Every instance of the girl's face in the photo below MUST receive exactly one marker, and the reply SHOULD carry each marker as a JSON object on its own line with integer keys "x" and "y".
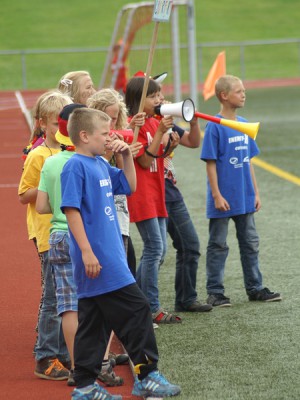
{"x": 86, "y": 89}
{"x": 113, "y": 112}
{"x": 152, "y": 100}
{"x": 50, "y": 126}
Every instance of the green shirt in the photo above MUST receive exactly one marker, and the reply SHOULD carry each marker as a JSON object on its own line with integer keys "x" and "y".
{"x": 50, "y": 183}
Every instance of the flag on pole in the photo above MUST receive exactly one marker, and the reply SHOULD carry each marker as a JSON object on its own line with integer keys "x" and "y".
{"x": 218, "y": 69}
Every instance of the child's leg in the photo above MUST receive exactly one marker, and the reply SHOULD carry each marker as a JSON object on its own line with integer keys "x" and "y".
{"x": 249, "y": 247}
{"x": 147, "y": 273}
{"x": 90, "y": 342}
{"x": 216, "y": 254}
{"x": 69, "y": 326}
{"x": 127, "y": 312}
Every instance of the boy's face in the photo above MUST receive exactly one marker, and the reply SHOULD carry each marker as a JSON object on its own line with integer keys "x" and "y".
{"x": 237, "y": 95}
{"x": 99, "y": 138}
{"x": 152, "y": 101}
{"x": 50, "y": 126}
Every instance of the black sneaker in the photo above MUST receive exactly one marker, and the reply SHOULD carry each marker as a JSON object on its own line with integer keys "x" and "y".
{"x": 119, "y": 359}
{"x": 264, "y": 295}
{"x": 71, "y": 381}
{"x": 194, "y": 307}
{"x": 218, "y": 300}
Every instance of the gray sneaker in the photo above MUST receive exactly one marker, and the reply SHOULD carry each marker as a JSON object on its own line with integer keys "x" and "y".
{"x": 218, "y": 300}
{"x": 108, "y": 377}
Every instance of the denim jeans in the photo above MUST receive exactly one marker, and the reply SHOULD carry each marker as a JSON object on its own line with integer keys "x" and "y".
{"x": 186, "y": 242}
{"x": 153, "y": 234}
{"x": 217, "y": 252}
{"x": 51, "y": 343}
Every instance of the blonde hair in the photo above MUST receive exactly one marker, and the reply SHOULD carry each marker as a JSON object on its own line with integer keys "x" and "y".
{"x": 70, "y": 82}
{"x": 109, "y": 97}
{"x": 84, "y": 119}
{"x": 36, "y": 115}
{"x": 224, "y": 84}
{"x": 52, "y": 104}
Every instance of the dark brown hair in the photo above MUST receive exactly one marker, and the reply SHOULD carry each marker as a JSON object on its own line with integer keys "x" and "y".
{"x": 134, "y": 91}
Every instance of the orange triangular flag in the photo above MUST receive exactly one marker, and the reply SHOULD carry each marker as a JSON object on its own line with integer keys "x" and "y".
{"x": 218, "y": 69}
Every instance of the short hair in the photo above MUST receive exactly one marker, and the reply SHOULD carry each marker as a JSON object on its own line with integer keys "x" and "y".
{"x": 52, "y": 104}
{"x": 84, "y": 119}
{"x": 224, "y": 84}
{"x": 109, "y": 97}
{"x": 69, "y": 83}
{"x": 134, "y": 90}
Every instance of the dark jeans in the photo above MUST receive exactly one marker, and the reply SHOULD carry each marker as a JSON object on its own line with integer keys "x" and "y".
{"x": 125, "y": 311}
{"x": 217, "y": 252}
{"x": 186, "y": 242}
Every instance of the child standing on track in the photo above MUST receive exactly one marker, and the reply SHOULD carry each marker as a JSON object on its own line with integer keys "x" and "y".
{"x": 106, "y": 289}
{"x": 147, "y": 207}
{"x": 50, "y": 345}
{"x": 232, "y": 193}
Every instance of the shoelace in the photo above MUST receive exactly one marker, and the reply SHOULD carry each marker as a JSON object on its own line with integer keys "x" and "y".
{"x": 54, "y": 364}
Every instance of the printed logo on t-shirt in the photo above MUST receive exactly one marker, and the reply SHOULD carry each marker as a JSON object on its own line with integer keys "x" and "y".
{"x": 109, "y": 212}
{"x": 105, "y": 182}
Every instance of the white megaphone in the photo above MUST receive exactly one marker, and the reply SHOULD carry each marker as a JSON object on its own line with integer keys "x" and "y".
{"x": 185, "y": 109}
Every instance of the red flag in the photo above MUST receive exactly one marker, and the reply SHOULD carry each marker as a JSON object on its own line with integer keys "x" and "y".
{"x": 218, "y": 69}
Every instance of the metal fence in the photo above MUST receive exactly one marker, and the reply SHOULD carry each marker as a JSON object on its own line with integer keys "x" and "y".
{"x": 260, "y": 59}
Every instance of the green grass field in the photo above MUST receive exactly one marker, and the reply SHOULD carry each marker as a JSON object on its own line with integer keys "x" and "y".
{"x": 58, "y": 25}
{"x": 250, "y": 351}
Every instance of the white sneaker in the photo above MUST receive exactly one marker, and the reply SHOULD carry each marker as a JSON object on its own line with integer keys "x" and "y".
{"x": 155, "y": 326}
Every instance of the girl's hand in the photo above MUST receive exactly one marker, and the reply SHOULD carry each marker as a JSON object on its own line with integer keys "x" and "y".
{"x": 137, "y": 120}
{"x": 135, "y": 148}
{"x": 166, "y": 123}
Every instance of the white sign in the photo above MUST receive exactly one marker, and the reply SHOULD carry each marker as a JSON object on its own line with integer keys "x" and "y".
{"x": 162, "y": 10}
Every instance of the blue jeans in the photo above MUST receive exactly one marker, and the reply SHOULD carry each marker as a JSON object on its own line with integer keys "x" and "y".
{"x": 217, "y": 252}
{"x": 153, "y": 234}
{"x": 186, "y": 242}
{"x": 50, "y": 342}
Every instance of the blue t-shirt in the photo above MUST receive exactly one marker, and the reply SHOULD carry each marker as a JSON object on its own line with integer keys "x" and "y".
{"x": 89, "y": 185}
{"x": 232, "y": 151}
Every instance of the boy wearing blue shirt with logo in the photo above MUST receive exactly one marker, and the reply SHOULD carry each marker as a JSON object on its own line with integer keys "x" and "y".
{"x": 107, "y": 292}
{"x": 232, "y": 193}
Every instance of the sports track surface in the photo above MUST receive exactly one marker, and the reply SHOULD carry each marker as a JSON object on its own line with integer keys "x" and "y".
{"x": 20, "y": 269}
{"x": 20, "y": 273}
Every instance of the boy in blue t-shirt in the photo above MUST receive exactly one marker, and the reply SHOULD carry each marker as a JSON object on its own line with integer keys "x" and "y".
{"x": 107, "y": 292}
{"x": 232, "y": 192}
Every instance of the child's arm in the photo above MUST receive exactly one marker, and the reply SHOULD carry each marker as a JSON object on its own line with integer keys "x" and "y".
{"x": 257, "y": 198}
{"x": 42, "y": 204}
{"x": 91, "y": 263}
{"x": 221, "y": 204}
{"x": 120, "y": 147}
{"x": 192, "y": 138}
{"x": 29, "y": 196}
{"x": 145, "y": 160}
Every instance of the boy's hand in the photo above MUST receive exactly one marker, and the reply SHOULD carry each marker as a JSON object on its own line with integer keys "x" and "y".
{"x": 91, "y": 263}
{"x": 221, "y": 204}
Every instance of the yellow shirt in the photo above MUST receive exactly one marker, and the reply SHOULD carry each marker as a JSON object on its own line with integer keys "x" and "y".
{"x": 38, "y": 225}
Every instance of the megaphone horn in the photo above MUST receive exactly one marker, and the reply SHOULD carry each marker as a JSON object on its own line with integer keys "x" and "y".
{"x": 185, "y": 109}
{"x": 250, "y": 129}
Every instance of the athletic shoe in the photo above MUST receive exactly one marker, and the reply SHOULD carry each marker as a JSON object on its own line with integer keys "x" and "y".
{"x": 155, "y": 385}
{"x": 96, "y": 392}
{"x": 118, "y": 358}
{"x": 218, "y": 300}
{"x": 155, "y": 326}
{"x": 71, "y": 381}
{"x": 264, "y": 295}
{"x": 108, "y": 377}
{"x": 194, "y": 307}
{"x": 51, "y": 369}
